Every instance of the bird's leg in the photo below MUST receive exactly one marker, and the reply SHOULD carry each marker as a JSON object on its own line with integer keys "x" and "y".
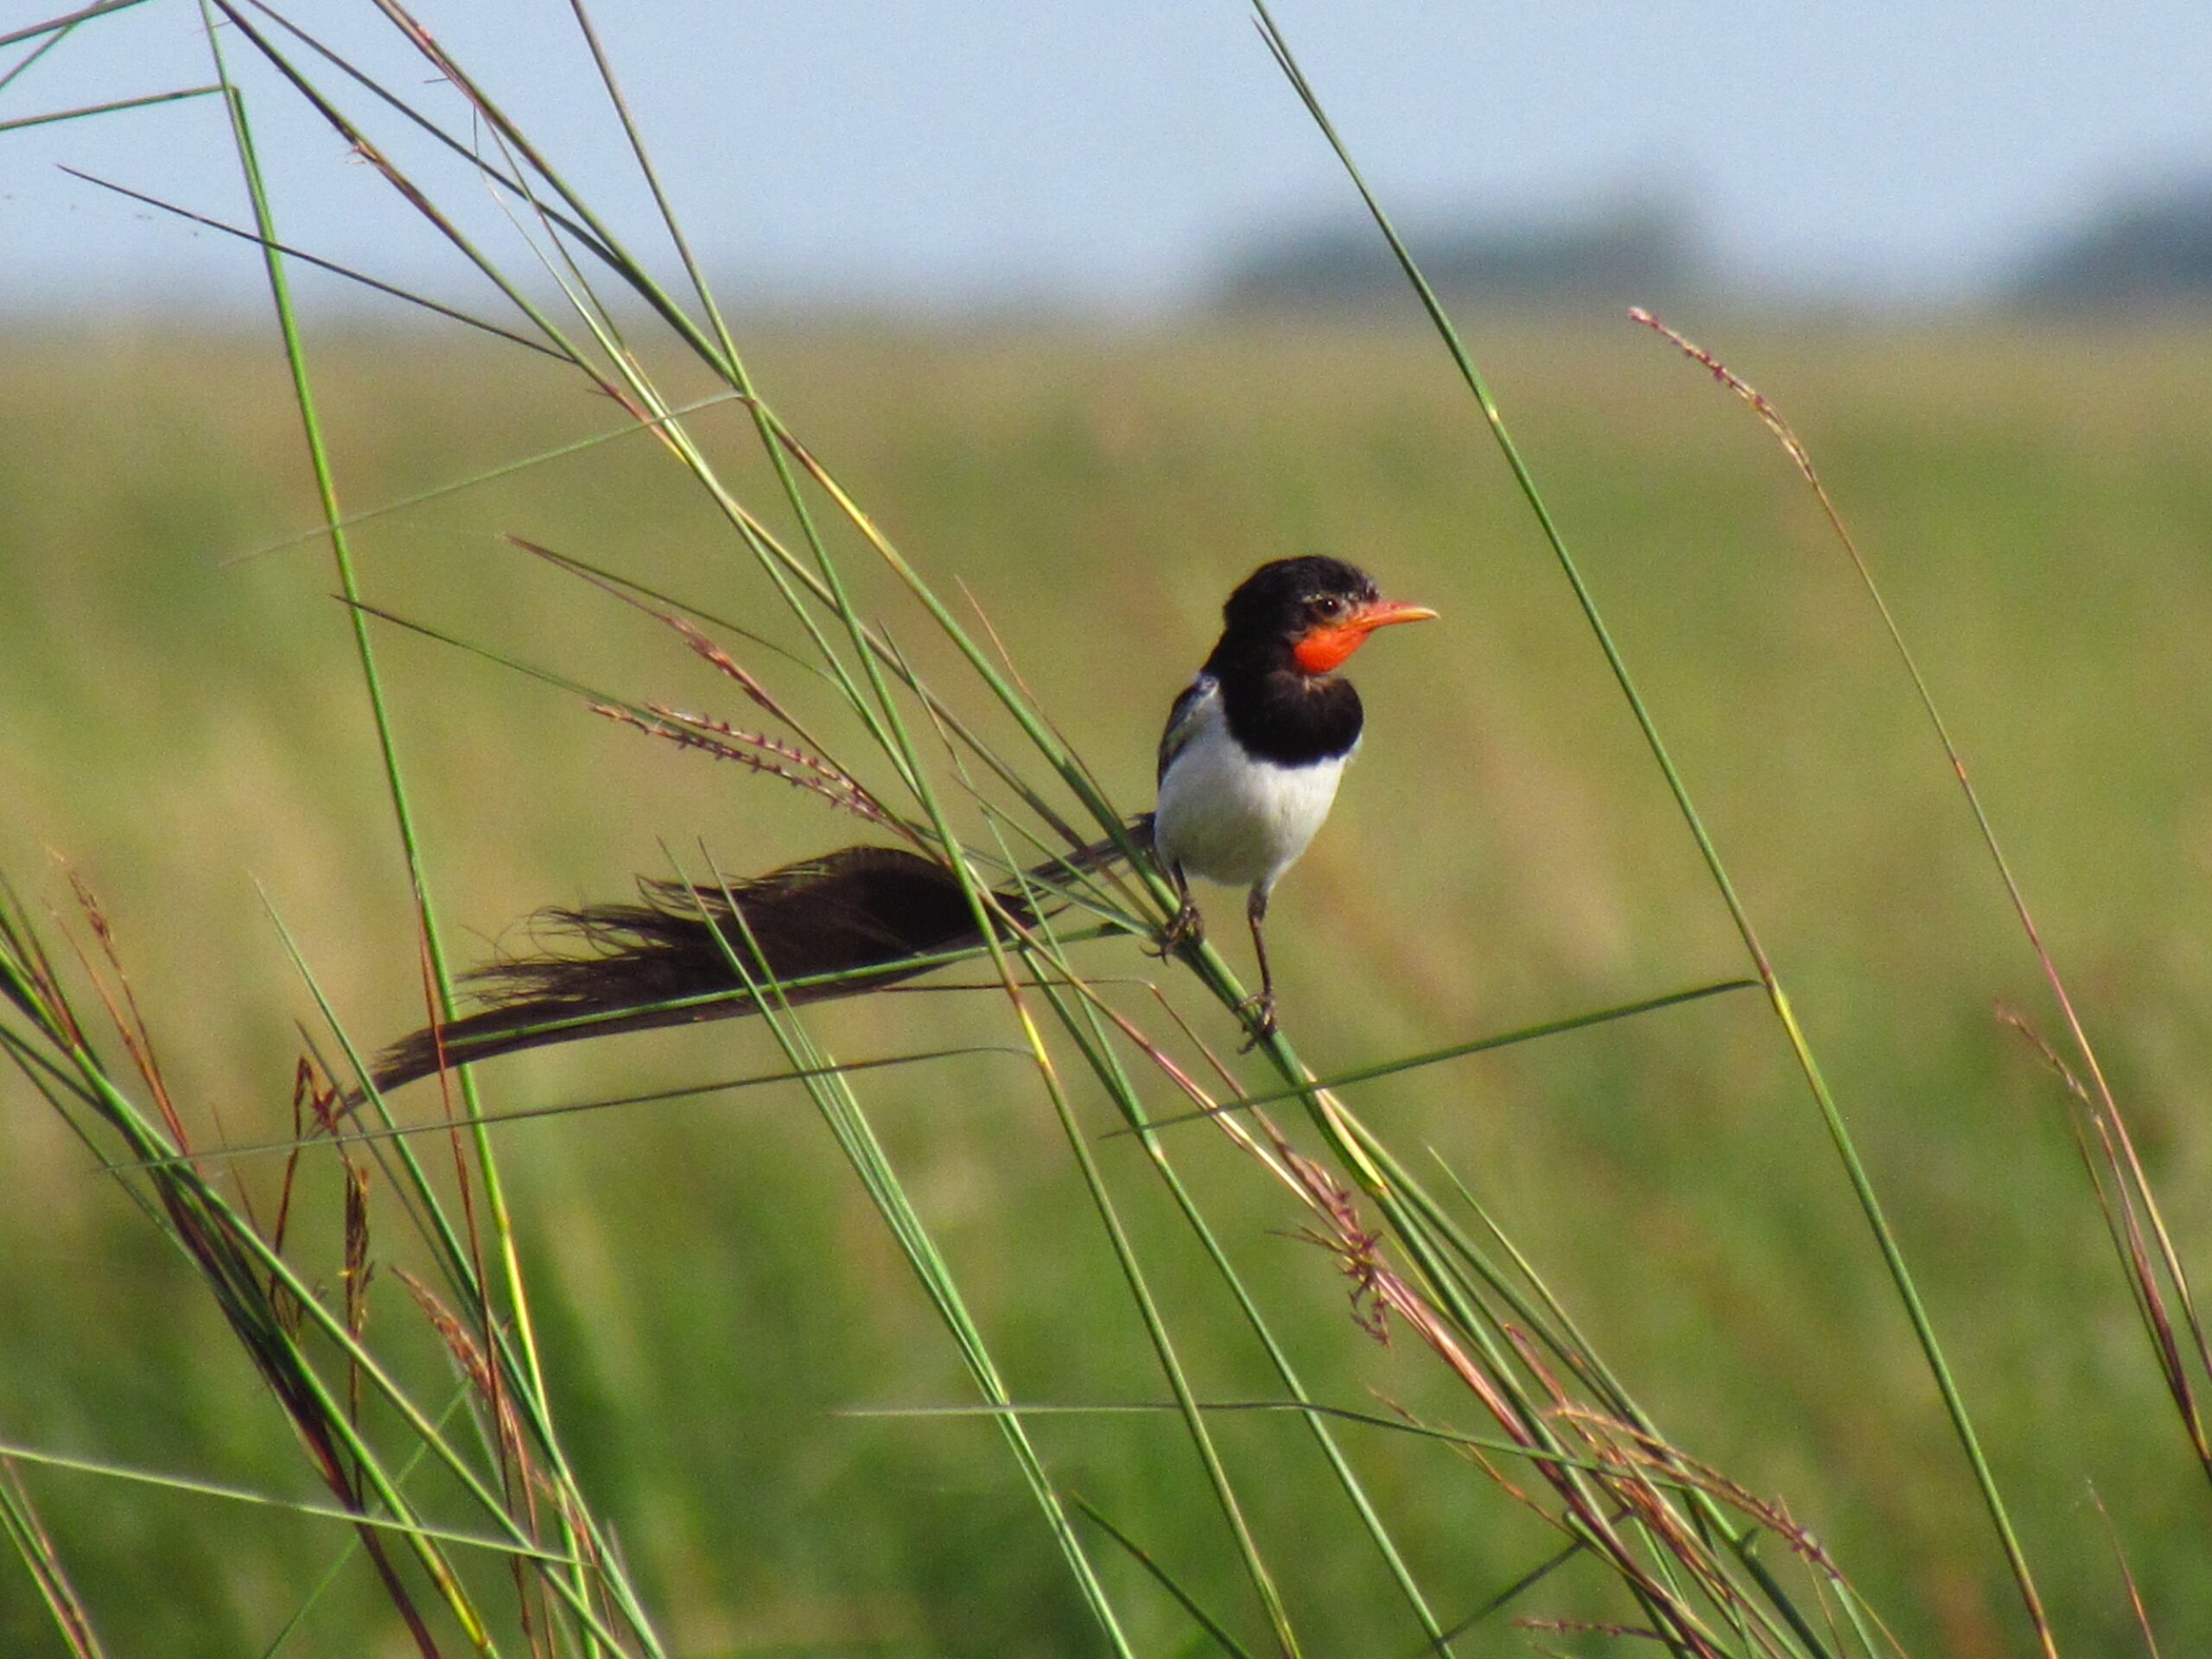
{"x": 1184, "y": 927}
{"x": 1262, "y": 1007}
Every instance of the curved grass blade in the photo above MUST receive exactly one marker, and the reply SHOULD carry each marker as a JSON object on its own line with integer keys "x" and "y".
{"x": 642, "y": 423}
{"x": 2134, "y": 1181}
{"x": 1831, "y": 1114}
{"x": 570, "y": 1108}
{"x": 848, "y": 1125}
{"x": 1043, "y": 941}
{"x": 1290, "y": 1407}
{"x": 468, "y": 154}
{"x": 1457, "y": 1050}
{"x": 363, "y": 279}
{"x": 200, "y": 1488}
{"x": 19, "y": 1519}
{"x": 528, "y": 1378}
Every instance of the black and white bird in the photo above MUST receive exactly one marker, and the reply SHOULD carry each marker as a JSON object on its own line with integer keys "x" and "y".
{"x": 1255, "y": 746}
{"x": 1248, "y": 767}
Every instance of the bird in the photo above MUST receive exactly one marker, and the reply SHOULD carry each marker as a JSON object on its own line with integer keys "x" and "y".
{"x": 1248, "y": 768}
{"x": 1255, "y": 746}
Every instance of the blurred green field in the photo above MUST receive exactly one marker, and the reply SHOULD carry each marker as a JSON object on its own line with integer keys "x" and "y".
{"x": 191, "y": 737}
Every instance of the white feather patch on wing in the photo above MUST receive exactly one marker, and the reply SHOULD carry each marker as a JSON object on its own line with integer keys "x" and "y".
{"x": 1230, "y": 819}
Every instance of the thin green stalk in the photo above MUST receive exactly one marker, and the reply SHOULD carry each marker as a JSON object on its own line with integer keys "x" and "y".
{"x": 668, "y": 217}
{"x": 397, "y": 1523}
{"x": 517, "y": 1296}
{"x": 1796, "y": 448}
{"x": 37, "y": 52}
{"x": 20, "y": 1521}
{"x": 492, "y": 474}
{"x": 1491, "y": 1443}
{"x": 257, "y": 1264}
{"x": 1107, "y": 1065}
{"x": 423, "y": 300}
{"x": 987, "y": 913}
{"x": 570, "y": 1108}
{"x": 103, "y": 109}
{"x": 67, "y": 20}
{"x": 1527, "y": 1581}
{"x": 1457, "y": 1050}
{"x": 1800, "y": 1049}
{"x": 841, "y": 1111}
{"x": 1091, "y": 1042}
{"x": 1166, "y": 1580}
{"x": 342, "y": 547}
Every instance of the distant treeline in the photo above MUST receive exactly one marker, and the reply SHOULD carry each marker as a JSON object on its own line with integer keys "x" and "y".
{"x": 2152, "y": 248}
{"x": 1628, "y": 253}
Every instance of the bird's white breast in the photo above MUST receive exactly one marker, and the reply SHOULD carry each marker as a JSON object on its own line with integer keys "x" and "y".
{"x": 1233, "y": 819}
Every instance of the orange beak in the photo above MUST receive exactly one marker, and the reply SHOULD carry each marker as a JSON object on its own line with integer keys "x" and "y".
{"x": 1323, "y": 649}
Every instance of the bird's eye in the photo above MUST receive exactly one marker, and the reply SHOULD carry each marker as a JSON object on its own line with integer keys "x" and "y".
{"x": 1329, "y": 605}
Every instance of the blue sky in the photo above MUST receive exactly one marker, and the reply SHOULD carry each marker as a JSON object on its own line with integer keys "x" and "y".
{"x": 1108, "y": 157}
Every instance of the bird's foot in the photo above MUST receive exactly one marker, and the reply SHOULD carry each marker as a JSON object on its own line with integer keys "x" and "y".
{"x": 1185, "y": 929}
{"x": 1260, "y": 1011}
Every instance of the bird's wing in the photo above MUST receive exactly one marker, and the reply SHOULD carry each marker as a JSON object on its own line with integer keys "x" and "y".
{"x": 1184, "y": 718}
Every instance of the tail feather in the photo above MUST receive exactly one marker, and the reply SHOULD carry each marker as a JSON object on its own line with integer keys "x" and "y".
{"x": 844, "y": 914}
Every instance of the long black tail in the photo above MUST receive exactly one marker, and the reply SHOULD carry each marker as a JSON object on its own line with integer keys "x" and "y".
{"x": 829, "y": 920}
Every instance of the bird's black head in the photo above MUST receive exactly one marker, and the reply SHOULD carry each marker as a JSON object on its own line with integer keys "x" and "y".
{"x": 1312, "y": 612}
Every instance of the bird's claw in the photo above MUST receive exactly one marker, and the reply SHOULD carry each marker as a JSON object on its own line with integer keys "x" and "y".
{"x": 1185, "y": 929}
{"x": 1261, "y": 1012}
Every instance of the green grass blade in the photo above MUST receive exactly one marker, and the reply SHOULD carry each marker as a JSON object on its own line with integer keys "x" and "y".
{"x": 668, "y": 216}
{"x": 2130, "y": 1166}
{"x": 575, "y": 1589}
{"x": 37, "y": 52}
{"x": 1164, "y": 1352}
{"x": 848, "y": 1125}
{"x": 470, "y": 154}
{"x": 67, "y": 21}
{"x": 264, "y": 1500}
{"x": 1832, "y": 1116}
{"x": 1506, "y": 1598}
{"x": 1487, "y": 1442}
{"x": 1458, "y": 1051}
{"x": 490, "y": 475}
{"x": 1105, "y": 1065}
{"x": 361, "y": 278}
{"x": 50, "y": 116}
{"x": 19, "y": 1519}
{"x": 1165, "y": 1580}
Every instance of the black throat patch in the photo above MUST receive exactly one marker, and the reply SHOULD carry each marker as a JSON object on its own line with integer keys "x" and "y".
{"x": 1290, "y": 718}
